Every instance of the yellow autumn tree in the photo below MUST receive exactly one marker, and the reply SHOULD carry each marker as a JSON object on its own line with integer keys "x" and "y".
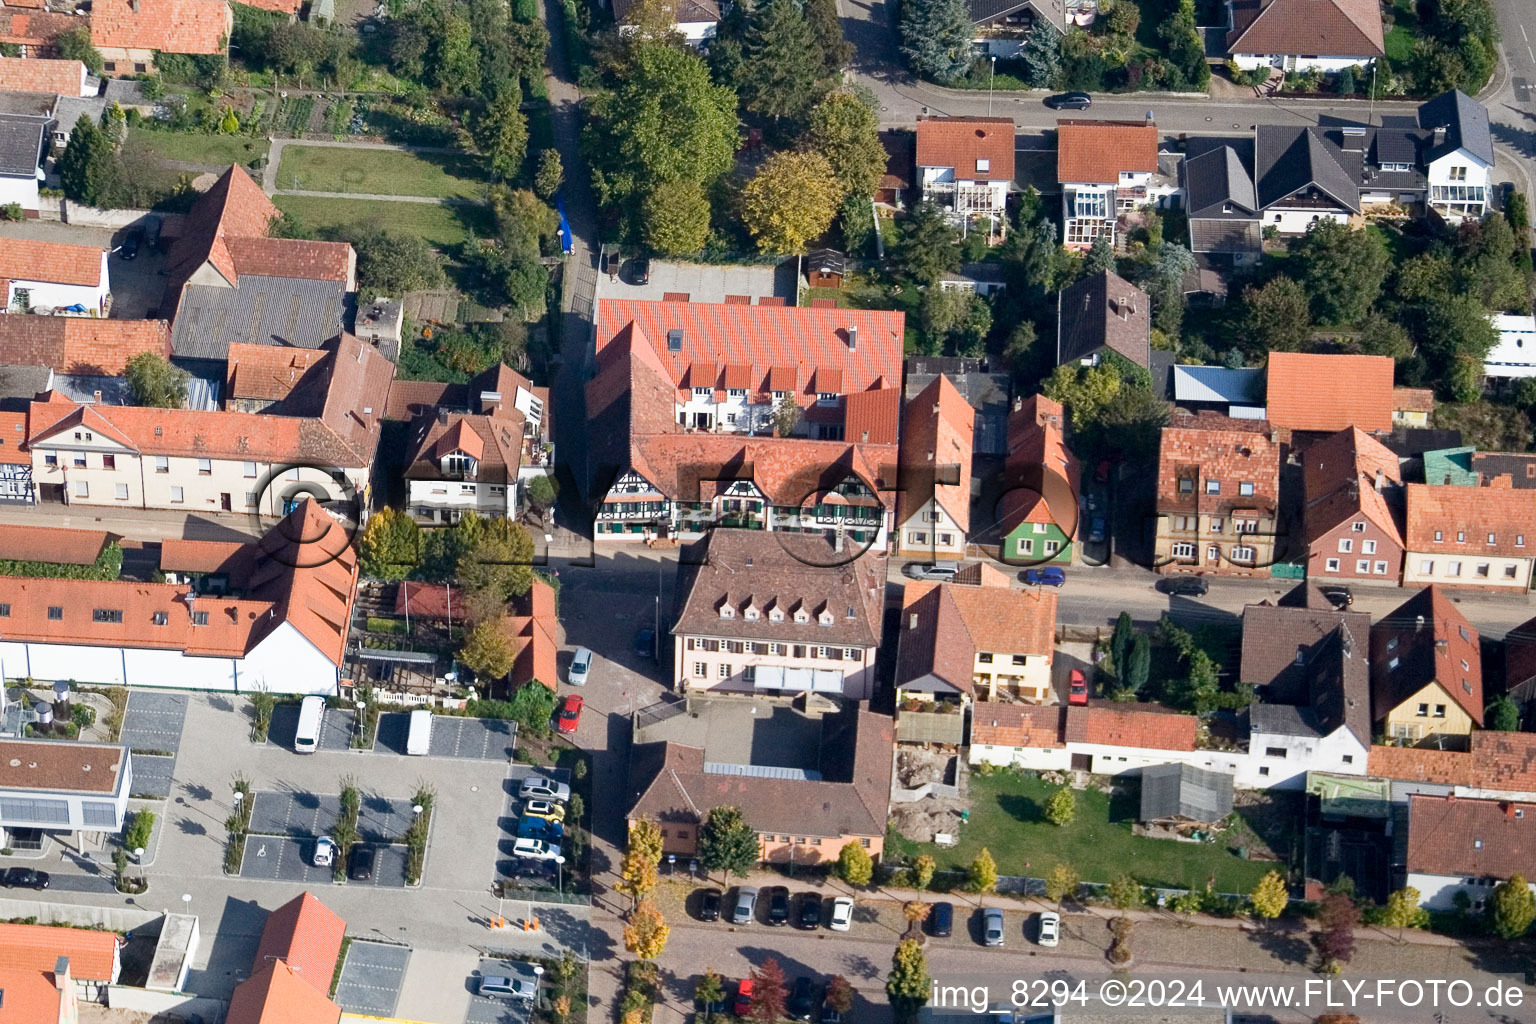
{"x": 645, "y": 935}
{"x": 791, "y": 200}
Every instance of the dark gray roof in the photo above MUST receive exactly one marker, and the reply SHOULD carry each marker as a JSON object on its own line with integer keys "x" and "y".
{"x": 1465, "y": 122}
{"x": 1053, "y": 12}
{"x": 1293, "y": 161}
{"x": 825, "y": 261}
{"x": 1355, "y": 149}
{"x": 988, "y": 393}
{"x": 1396, "y": 146}
{"x": 1183, "y": 791}
{"x": 262, "y": 311}
{"x": 21, "y": 144}
{"x": 1215, "y": 180}
{"x": 687, "y": 11}
{"x": 1087, "y": 322}
{"x": 1306, "y": 654}
{"x": 1284, "y": 720}
{"x": 19, "y": 385}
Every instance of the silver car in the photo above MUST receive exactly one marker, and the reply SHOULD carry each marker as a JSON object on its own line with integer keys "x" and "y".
{"x": 537, "y": 787}
{"x": 746, "y": 905}
{"x": 494, "y": 985}
{"x": 992, "y": 927}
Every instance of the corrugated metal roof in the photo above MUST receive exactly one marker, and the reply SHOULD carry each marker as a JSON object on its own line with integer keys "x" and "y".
{"x": 1217, "y": 384}
{"x": 262, "y": 311}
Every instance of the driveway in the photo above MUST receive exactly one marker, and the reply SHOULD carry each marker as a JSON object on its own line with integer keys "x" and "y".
{"x": 699, "y": 282}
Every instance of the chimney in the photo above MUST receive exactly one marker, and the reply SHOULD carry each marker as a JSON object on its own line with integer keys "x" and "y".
{"x": 135, "y": 5}
{"x": 912, "y": 621}
{"x": 1439, "y": 135}
{"x": 1121, "y": 307}
{"x": 96, "y": 396}
{"x": 853, "y": 338}
{"x": 490, "y": 403}
{"x": 1379, "y": 476}
{"x": 61, "y": 974}
{"x": 1418, "y": 623}
{"x": 442, "y": 415}
{"x": 1018, "y": 403}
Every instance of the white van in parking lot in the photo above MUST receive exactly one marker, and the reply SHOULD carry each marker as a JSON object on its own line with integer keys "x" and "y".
{"x": 306, "y": 739}
{"x": 418, "y": 741}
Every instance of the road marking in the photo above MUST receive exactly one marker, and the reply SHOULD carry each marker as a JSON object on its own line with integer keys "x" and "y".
{"x": 1533, "y": 55}
{"x": 1523, "y": 35}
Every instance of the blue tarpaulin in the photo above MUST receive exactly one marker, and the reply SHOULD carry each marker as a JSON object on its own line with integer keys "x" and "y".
{"x": 565, "y": 227}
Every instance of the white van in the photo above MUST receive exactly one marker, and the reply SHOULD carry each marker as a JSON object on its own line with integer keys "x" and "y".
{"x": 418, "y": 741}
{"x": 311, "y": 714}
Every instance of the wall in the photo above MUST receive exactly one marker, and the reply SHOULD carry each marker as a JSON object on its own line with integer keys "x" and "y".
{"x": 1203, "y": 537}
{"x": 781, "y": 849}
{"x": 1296, "y": 222}
{"x": 19, "y": 190}
{"x": 1440, "y": 565}
{"x": 117, "y": 919}
{"x": 1326, "y": 547}
{"x": 858, "y": 674}
{"x": 438, "y": 499}
{"x": 1250, "y": 61}
{"x": 920, "y": 535}
{"x": 1438, "y": 892}
{"x": 1031, "y": 681}
{"x": 49, "y": 293}
{"x": 1456, "y": 723}
{"x": 95, "y": 217}
{"x": 1037, "y": 534}
{"x": 1302, "y": 754}
{"x": 1042, "y": 759}
{"x": 121, "y": 997}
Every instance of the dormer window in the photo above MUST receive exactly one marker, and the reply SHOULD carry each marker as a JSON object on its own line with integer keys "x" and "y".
{"x": 751, "y": 614}
{"x": 1186, "y": 485}
{"x": 825, "y": 618}
{"x": 983, "y": 165}
{"x": 826, "y": 398}
{"x": 727, "y": 612}
{"x": 703, "y": 393}
{"x": 737, "y": 392}
{"x": 776, "y": 615}
{"x": 779, "y": 396}
{"x": 802, "y": 616}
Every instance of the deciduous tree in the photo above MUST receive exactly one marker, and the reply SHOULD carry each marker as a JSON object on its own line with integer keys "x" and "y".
{"x": 153, "y": 380}
{"x": 1124, "y": 892}
{"x": 709, "y": 992}
{"x": 487, "y": 650}
{"x": 854, "y": 864}
{"x": 791, "y": 200}
{"x": 768, "y": 992}
{"x": 907, "y": 985}
{"x": 1342, "y": 270}
{"x": 390, "y": 545}
{"x": 550, "y": 173}
{"x": 1270, "y": 896}
{"x": 981, "y": 877}
{"x": 390, "y": 263}
{"x": 497, "y": 568}
{"x": 637, "y": 872}
{"x": 1334, "y": 941}
{"x": 675, "y": 218}
{"x": 646, "y": 931}
{"x": 839, "y": 994}
{"x": 1061, "y": 809}
{"x": 922, "y": 871}
{"x": 1512, "y": 908}
{"x": 1061, "y": 883}
{"x": 1402, "y": 910}
{"x": 1277, "y": 317}
{"x": 846, "y": 131}
{"x": 727, "y": 843}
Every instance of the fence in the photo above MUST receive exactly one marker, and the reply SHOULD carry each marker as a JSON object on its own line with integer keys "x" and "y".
{"x": 1021, "y": 885}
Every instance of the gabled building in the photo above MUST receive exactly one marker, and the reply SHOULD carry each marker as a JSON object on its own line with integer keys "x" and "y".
{"x": 1513, "y": 356}
{"x": 696, "y": 20}
{"x": 962, "y": 643}
{"x": 84, "y": 346}
{"x": 1520, "y": 663}
{"x": 1470, "y": 536}
{"x": 62, "y": 77}
{"x": 1002, "y": 25}
{"x": 306, "y": 935}
{"x": 1103, "y": 738}
{"x": 1458, "y": 846}
{"x": 1218, "y": 486}
{"x": 1315, "y": 392}
{"x": 34, "y": 31}
{"x": 1037, "y": 514}
{"x": 1220, "y": 199}
{"x": 535, "y": 637}
{"x": 965, "y": 164}
{"x": 933, "y": 505}
{"x": 1354, "y": 496}
{"x": 1426, "y": 673}
{"x": 1105, "y": 168}
{"x": 95, "y": 956}
{"x": 1300, "y": 180}
{"x": 478, "y": 457}
{"x": 280, "y": 624}
{"x": 1309, "y": 665}
{"x": 1411, "y": 407}
{"x": 129, "y": 33}
{"x": 982, "y": 385}
{"x": 1459, "y": 159}
{"x": 23, "y": 143}
{"x": 1099, "y": 314}
{"x": 1296, "y": 35}
{"x": 229, "y": 282}
{"x": 762, "y": 615}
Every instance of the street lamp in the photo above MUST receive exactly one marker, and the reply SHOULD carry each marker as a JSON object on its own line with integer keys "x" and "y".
{"x": 559, "y": 878}
{"x": 138, "y": 855}
{"x": 990, "y": 77}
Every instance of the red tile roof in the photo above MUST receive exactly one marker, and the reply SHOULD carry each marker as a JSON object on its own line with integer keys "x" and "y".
{"x": 535, "y": 637}
{"x": 1421, "y": 764}
{"x": 429, "y": 600}
{"x": 13, "y": 436}
{"x": 267, "y": 372}
{"x": 999, "y": 724}
{"x": 292, "y": 257}
{"x": 31, "y": 997}
{"x": 939, "y": 428}
{"x": 37, "y": 947}
{"x": 943, "y": 626}
{"x": 1413, "y": 399}
{"x": 1095, "y": 152}
{"x": 1035, "y": 442}
{"x": 1147, "y": 727}
{"x": 873, "y": 417}
{"x": 48, "y": 544}
{"x": 1465, "y": 516}
{"x": 1314, "y": 391}
{"x": 34, "y": 28}
{"x": 235, "y": 207}
{"x": 203, "y": 556}
{"x": 174, "y": 26}
{"x": 278, "y": 994}
{"x": 81, "y": 345}
{"x": 31, "y": 74}
{"x": 1430, "y": 641}
{"x": 1340, "y": 475}
{"x": 1504, "y": 761}
{"x": 27, "y": 259}
{"x": 959, "y": 142}
{"x": 277, "y": 6}
{"x": 1450, "y": 835}
{"x": 307, "y": 935}
{"x": 1212, "y": 447}
{"x": 800, "y": 339}
{"x": 1346, "y": 28}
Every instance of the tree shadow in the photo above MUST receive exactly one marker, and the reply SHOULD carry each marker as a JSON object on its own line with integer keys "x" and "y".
{"x": 196, "y": 791}
{"x": 1285, "y": 940}
{"x": 1021, "y": 808}
{"x": 191, "y": 828}
{"x": 220, "y": 703}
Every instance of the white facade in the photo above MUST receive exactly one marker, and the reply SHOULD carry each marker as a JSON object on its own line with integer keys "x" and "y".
{"x": 931, "y": 532}
{"x": 706, "y": 663}
{"x": 1459, "y": 184}
{"x": 1515, "y": 353}
{"x": 1438, "y": 892}
{"x": 283, "y": 662}
{"x": 447, "y": 500}
{"x": 22, "y": 295}
{"x": 1468, "y": 570}
{"x": 1294, "y": 62}
{"x": 1296, "y": 222}
{"x": 1103, "y": 759}
{"x": 1279, "y": 761}
{"x": 22, "y": 191}
{"x": 965, "y": 195}
{"x": 694, "y": 33}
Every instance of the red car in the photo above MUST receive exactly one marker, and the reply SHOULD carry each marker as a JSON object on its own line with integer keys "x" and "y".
{"x": 568, "y": 719}
{"x": 1077, "y": 689}
{"x": 743, "y": 1003}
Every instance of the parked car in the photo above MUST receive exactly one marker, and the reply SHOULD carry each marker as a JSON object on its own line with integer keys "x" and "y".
{"x": 842, "y": 914}
{"x": 538, "y": 849}
{"x": 130, "y": 248}
{"x": 709, "y": 905}
{"x": 540, "y": 828}
{"x": 801, "y": 1003}
{"x": 495, "y": 986}
{"x": 941, "y": 920}
{"x": 1069, "y": 101}
{"x": 810, "y": 911}
{"x": 641, "y": 270}
{"x": 778, "y": 906}
{"x": 1184, "y": 586}
{"x": 538, "y": 787}
{"x": 743, "y": 1004}
{"x": 1338, "y": 595}
{"x": 1077, "y": 688}
{"x": 1098, "y": 530}
{"x": 568, "y": 718}
{"x": 544, "y": 809}
{"x": 325, "y": 852}
{"x": 24, "y": 878}
{"x": 581, "y": 667}
{"x": 360, "y": 865}
{"x": 1050, "y": 928}
{"x": 830, "y": 1015}
{"x": 1047, "y": 577}
{"x": 715, "y": 1007}
{"x": 746, "y": 905}
{"x": 992, "y": 927}
{"x": 941, "y": 572}
{"x": 645, "y": 642}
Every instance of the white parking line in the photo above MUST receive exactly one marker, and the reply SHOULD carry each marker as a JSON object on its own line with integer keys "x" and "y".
{"x": 1523, "y": 35}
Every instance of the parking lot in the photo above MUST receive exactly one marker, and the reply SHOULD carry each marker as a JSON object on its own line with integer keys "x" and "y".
{"x": 294, "y": 814}
{"x": 499, "y": 1009}
{"x": 371, "y": 977}
{"x": 486, "y": 739}
{"x": 525, "y": 872}
{"x": 282, "y": 859}
{"x": 336, "y": 727}
{"x": 153, "y": 723}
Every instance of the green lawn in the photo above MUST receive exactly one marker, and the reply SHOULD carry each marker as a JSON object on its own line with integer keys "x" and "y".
{"x": 442, "y": 224}
{"x": 214, "y": 150}
{"x": 381, "y": 172}
{"x": 1008, "y": 818}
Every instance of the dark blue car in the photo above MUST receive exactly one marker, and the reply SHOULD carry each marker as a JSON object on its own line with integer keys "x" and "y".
{"x": 1048, "y": 577}
{"x": 540, "y": 828}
